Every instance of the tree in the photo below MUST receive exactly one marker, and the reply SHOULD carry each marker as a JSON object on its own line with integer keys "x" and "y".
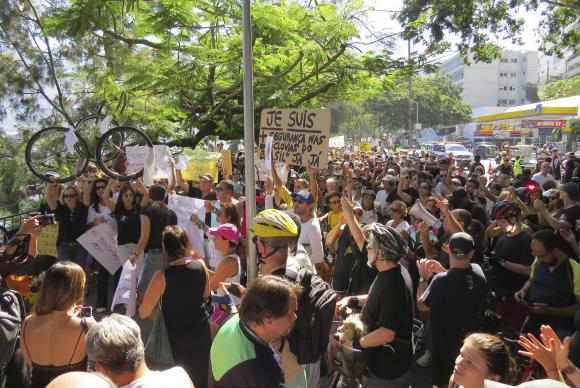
{"x": 438, "y": 99}
{"x": 170, "y": 67}
{"x": 561, "y": 88}
{"x": 474, "y": 22}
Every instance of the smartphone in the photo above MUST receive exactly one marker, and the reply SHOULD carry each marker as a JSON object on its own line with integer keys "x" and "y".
{"x": 86, "y": 312}
{"x": 46, "y": 219}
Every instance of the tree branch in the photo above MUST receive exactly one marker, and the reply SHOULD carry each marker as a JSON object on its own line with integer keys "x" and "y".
{"x": 563, "y": 5}
{"x": 51, "y": 66}
{"x": 313, "y": 73}
{"x": 134, "y": 41}
{"x": 322, "y": 89}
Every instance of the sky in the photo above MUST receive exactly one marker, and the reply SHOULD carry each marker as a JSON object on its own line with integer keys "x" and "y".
{"x": 381, "y": 20}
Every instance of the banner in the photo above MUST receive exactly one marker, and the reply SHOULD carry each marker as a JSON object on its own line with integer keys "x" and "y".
{"x": 300, "y": 136}
{"x": 365, "y": 147}
{"x": 101, "y": 242}
{"x": 47, "y": 240}
{"x": 200, "y": 163}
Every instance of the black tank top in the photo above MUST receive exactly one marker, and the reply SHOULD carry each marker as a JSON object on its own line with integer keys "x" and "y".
{"x": 183, "y": 302}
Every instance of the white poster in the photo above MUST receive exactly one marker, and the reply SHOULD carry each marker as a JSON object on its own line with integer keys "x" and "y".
{"x": 126, "y": 292}
{"x": 336, "y": 142}
{"x": 155, "y": 162}
{"x": 269, "y": 142}
{"x": 184, "y": 207}
{"x": 262, "y": 171}
{"x": 101, "y": 242}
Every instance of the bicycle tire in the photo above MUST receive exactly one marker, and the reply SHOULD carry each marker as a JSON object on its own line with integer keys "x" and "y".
{"x": 123, "y": 134}
{"x": 65, "y": 174}
{"x": 87, "y": 127}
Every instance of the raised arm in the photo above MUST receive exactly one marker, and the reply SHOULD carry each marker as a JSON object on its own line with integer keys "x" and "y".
{"x": 353, "y": 225}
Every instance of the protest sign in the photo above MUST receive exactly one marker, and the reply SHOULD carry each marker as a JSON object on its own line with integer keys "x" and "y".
{"x": 126, "y": 291}
{"x": 47, "y": 240}
{"x": 200, "y": 163}
{"x": 269, "y": 143}
{"x": 364, "y": 147}
{"x": 300, "y": 136}
{"x": 262, "y": 173}
{"x": 101, "y": 242}
{"x": 336, "y": 142}
{"x": 227, "y": 167}
{"x": 184, "y": 207}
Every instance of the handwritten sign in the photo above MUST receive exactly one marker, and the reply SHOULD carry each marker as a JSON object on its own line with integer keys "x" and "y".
{"x": 47, "y": 240}
{"x": 101, "y": 242}
{"x": 300, "y": 136}
{"x": 227, "y": 166}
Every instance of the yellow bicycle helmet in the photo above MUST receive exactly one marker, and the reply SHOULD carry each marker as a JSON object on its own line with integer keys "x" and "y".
{"x": 274, "y": 223}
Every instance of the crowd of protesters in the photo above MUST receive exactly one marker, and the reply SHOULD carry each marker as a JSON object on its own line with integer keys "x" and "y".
{"x": 455, "y": 266}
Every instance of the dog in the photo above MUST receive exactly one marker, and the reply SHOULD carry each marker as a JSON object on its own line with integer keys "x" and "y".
{"x": 351, "y": 330}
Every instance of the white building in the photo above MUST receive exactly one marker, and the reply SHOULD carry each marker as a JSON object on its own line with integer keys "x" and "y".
{"x": 551, "y": 69}
{"x": 573, "y": 64}
{"x": 503, "y": 82}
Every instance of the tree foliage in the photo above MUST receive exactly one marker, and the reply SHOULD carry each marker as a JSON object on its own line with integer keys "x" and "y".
{"x": 438, "y": 99}
{"x": 561, "y": 88}
{"x": 474, "y": 22}
{"x": 172, "y": 66}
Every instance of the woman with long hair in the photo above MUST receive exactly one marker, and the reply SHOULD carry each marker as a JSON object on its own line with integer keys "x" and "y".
{"x": 183, "y": 290}
{"x": 71, "y": 215}
{"x": 53, "y": 336}
{"x": 96, "y": 197}
{"x": 133, "y": 230}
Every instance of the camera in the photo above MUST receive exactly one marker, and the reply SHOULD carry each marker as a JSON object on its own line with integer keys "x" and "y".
{"x": 46, "y": 219}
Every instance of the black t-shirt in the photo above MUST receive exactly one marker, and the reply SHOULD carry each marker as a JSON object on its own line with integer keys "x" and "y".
{"x": 515, "y": 249}
{"x": 159, "y": 217}
{"x": 71, "y": 223}
{"x": 456, "y": 299}
{"x": 390, "y": 305}
{"x": 129, "y": 227}
{"x": 351, "y": 272}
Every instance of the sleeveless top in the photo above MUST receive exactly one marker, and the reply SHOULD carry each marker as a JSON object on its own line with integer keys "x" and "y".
{"x": 42, "y": 375}
{"x": 183, "y": 303}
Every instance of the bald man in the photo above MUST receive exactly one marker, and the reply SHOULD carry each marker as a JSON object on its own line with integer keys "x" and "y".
{"x": 81, "y": 380}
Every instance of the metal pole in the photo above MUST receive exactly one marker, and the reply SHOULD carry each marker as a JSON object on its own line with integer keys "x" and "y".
{"x": 249, "y": 135}
{"x": 417, "y": 119}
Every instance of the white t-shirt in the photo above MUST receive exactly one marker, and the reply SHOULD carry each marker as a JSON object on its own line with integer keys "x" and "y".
{"x": 540, "y": 178}
{"x": 104, "y": 213}
{"x": 311, "y": 239}
{"x": 175, "y": 377}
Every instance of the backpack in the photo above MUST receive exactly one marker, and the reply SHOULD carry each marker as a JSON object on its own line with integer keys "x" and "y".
{"x": 12, "y": 314}
{"x": 311, "y": 333}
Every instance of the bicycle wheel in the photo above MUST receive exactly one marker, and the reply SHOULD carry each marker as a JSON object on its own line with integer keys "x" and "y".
{"x": 121, "y": 152}
{"x": 91, "y": 128}
{"x": 47, "y": 155}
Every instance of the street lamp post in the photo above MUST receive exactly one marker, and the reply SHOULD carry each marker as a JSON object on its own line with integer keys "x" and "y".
{"x": 249, "y": 134}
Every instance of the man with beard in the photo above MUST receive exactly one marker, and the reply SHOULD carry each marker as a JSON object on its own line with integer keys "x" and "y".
{"x": 552, "y": 291}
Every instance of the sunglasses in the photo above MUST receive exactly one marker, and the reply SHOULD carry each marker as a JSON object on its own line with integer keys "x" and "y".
{"x": 69, "y": 196}
{"x": 335, "y": 202}
{"x": 396, "y": 210}
{"x": 101, "y": 187}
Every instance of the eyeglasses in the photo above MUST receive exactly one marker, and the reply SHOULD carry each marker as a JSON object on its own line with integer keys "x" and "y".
{"x": 100, "y": 187}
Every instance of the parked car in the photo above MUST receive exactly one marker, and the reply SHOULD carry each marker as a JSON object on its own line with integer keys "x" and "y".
{"x": 458, "y": 151}
{"x": 485, "y": 150}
